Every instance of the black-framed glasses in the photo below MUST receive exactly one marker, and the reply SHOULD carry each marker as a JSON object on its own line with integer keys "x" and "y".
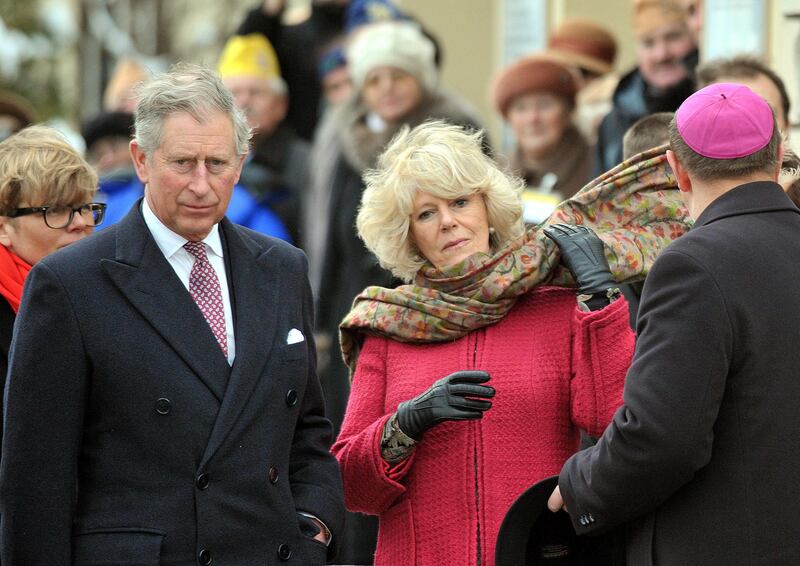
{"x": 58, "y": 217}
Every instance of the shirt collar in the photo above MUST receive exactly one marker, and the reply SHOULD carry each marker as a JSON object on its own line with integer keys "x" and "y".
{"x": 169, "y": 242}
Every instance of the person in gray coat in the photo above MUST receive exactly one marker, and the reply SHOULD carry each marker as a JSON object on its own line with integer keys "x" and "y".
{"x": 700, "y": 463}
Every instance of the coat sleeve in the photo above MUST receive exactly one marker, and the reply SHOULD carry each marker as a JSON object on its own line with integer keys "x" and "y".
{"x": 45, "y": 402}
{"x": 663, "y": 433}
{"x": 371, "y": 485}
{"x": 313, "y": 472}
{"x": 602, "y": 349}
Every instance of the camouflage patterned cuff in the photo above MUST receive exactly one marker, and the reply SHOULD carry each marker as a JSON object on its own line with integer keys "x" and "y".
{"x": 396, "y": 445}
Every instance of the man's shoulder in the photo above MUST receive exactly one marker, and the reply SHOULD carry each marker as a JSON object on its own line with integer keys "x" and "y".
{"x": 261, "y": 243}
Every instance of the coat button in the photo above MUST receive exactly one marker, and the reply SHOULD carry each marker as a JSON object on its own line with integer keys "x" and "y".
{"x": 284, "y": 552}
{"x": 163, "y": 406}
{"x": 201, "y": 481}
{"x": 273, "y": 475}
{"x": 204, "y": 557}
{"x": 291, "y": 398}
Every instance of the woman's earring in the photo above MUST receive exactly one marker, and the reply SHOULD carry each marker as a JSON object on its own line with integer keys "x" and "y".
{"x": 492, "y": 230}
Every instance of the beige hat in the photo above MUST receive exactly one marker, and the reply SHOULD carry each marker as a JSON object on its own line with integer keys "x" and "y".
{"x": 584, "y": 44}
{"x": 398, "y": 44}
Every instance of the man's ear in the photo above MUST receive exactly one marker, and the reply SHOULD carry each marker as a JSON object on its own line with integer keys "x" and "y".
{"x": 240, "y": 166}
{"x": 681, "y": 176}
{"x": 139, "y": 161}
{"x": 781, "y": 153}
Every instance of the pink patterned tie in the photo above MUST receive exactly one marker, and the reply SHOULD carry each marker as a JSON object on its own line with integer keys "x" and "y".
{"x": 205, "y": 290}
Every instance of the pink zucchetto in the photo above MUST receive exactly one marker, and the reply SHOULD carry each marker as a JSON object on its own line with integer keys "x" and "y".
{"x": 725, "y": 121}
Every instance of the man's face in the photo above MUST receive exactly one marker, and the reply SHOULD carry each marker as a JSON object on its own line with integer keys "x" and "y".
{"x": 661, "y": 52}
{"x": 190, "y": 177}
{"x": 255, "y": 96}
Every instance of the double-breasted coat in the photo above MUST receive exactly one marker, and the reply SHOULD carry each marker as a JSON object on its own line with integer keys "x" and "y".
{"x": 128, "y": 437}
{"x": 701, "y": 461}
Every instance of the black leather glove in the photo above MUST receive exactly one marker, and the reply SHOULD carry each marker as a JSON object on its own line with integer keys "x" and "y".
{"x": 457, "y": 397}
{"x": 583, "y": 254}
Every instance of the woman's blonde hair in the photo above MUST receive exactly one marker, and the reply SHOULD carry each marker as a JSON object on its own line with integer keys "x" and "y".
{"x": 447, "y": 162}
{"x": 38, "y": 166}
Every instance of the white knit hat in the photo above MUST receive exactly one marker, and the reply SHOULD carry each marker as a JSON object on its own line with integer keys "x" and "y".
{"x": 392, "y": 44}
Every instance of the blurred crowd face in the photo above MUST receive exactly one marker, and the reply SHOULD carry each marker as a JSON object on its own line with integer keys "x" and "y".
{"x": 189, "y": 179}
{"x": 109, "y": 154}
{"x": 661, "y": 54}
{"x": 447, "y": 231}
{"x": 767, "y": 90}
{"x": 30, "y": 238}
{"x": 9, "y": 125}
{"x": 694, "y": 11}
{"x": 539, "y": 121}
{"x": 263, "y": 107}
{"x": 391, "y": 93}
{"x": 337, "y": 86}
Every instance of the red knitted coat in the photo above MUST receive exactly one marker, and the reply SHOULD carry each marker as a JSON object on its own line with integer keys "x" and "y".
{"x": 556, "y": 369}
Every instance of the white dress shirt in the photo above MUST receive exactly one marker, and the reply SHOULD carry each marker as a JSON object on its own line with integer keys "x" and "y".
{"x": 171, "y": 245}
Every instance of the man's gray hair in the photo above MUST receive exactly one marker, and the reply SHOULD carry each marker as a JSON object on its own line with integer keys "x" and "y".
{"x": 193, "y": 89}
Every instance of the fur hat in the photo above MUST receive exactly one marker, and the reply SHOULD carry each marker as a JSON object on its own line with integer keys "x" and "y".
{"x": 392, "y": 44}
{"x": 534, "y": 73}
{"x": 584, "y": 44}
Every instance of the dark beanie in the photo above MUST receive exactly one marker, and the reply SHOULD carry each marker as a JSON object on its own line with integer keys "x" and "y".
{"x": 107, "y": 124}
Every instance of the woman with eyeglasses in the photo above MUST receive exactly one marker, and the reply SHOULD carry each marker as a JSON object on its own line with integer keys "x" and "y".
{"x": 46, "y": 189}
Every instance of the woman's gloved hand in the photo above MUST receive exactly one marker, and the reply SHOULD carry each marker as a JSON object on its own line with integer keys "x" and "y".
{"x": 583, "y": 254}
{"x": 457, "y": 397}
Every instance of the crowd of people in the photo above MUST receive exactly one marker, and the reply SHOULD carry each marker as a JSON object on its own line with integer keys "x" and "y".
{"x": 300, "y": 308}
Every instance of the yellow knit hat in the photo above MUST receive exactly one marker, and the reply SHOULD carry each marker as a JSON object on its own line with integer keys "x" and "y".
{"x": 249, "y": 55}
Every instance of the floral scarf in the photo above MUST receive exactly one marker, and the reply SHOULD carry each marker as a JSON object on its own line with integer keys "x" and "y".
{"x": 635, "y": 208}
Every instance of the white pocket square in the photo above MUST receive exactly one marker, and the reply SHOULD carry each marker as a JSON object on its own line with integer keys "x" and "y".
{"x": 294, "y": 336}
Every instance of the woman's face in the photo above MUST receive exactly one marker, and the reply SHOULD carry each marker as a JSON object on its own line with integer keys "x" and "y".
{"x": 539, "y": 121}
{"x": 447, "y": 231}
{"x": 391, "y": 93}
{"x": 31, "y": 239}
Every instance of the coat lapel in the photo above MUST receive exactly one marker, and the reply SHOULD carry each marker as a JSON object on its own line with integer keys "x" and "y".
{"x": 144, "y": 276}
{"x": 253, "y": 279}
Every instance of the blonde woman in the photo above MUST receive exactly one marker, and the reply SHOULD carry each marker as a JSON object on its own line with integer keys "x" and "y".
{"x": 442, "y": 434}
{"x": 46, "y": 192}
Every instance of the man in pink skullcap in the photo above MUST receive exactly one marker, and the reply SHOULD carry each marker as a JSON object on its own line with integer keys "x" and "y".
{"x": 700, "y": 464}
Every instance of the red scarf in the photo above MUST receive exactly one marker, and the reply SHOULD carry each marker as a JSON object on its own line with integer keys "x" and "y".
{"x": 13, "y": 271}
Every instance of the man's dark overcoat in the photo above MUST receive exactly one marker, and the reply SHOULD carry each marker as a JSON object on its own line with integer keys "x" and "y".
{"x": 702, "y": 462}
{"x": 129, "y": 440}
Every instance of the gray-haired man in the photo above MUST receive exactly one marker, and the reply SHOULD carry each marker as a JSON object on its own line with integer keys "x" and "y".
{"x": 162, "y": 400}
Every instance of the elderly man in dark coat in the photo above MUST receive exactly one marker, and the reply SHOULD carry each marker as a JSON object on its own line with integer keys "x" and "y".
{"x": 700, "y": 463}
{"x": 162, "y": 400}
